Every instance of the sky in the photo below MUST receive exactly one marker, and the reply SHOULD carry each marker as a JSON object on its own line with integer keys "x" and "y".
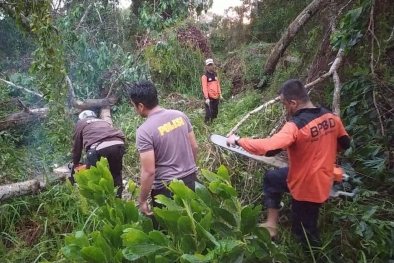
{"x": 218, "y": 6}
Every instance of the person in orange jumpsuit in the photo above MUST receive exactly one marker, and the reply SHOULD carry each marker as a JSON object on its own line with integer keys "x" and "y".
{"x": 312, "y": 137}
{"x": 211, "y": 90}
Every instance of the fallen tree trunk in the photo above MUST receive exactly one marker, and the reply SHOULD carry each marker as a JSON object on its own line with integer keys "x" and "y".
{"x": 33, "y": 186}
{"x": 290, "y": 34}
{"x": 19, "y": 189}
{"x": 23, "y": 117}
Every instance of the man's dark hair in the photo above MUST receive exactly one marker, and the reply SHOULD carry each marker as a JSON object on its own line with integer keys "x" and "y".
{"x": 293, "y": 89}
{"x": 144, "y": 92}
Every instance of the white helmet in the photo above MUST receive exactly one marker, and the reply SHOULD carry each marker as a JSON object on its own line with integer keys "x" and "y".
{"x": 86, "y": 114}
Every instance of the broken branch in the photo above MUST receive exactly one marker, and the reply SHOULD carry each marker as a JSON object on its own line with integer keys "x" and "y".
{"x": 22, "y": 88}
{"x": 334, "y": 67}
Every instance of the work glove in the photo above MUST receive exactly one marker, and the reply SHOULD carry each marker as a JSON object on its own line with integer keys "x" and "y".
{"x": 207, "y": 101}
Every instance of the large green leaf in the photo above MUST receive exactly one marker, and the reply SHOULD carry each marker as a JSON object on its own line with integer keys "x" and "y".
{"x": 101, "y": 243}
{"x": 206, "y": 221}
{"x": 167, "y": 218}
{"x": 113, "y": 234}
{"x": 81, "y": 239}
{"x": 249, "y": 218}
{"x": 133, "y": 236}
{"x": 222, "y": 189}
{"x": 203, "y": 193}
{"x": 138, "y": 243}
{"x": 210, "y": 176}
{"x": 131, "y": 212}
{"x": 107, "y": 186}
{"x": 93, "y": 254}
{"x": 168, "y": 202}
{"x": 222, "y": 229}
{"x": 179, "y": 188}
{"x": 72, "y": 252}
{"x": 188, "y": 244}
{"x": 225, "y": 215}
{"x": 159, "y": 238}
{"x": 223, "y": 173}
{"x": 185, "y": 225}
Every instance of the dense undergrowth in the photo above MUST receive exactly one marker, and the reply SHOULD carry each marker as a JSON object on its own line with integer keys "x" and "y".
{"x": 33, "y": 228}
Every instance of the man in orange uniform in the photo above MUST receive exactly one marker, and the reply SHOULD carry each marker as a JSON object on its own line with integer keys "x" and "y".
{"x": 312, "y": 137}
{"x": 211, "y": 91}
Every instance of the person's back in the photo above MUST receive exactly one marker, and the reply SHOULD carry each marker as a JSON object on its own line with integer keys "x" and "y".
{"x": 168, "y": 131}
{"x": 94, "y": 130}
{"x": 313, "y": 153}
{"x": 99, "y": 139}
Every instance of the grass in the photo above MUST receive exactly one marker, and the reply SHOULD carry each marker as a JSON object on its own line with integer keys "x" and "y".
{"x": 33, "y": 227}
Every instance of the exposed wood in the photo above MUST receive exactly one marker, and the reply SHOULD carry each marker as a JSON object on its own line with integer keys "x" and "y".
{"x": 23, "y": 117}
{"x": 89, "y": 103}
{"x": 33, "y": 186}
{"x": 336, "y": 101}
{"x": 247, "y": 116}
{"x": 19, "y": 189}
{"x": 290, "y": 34}
{"x": 105, "y": 114}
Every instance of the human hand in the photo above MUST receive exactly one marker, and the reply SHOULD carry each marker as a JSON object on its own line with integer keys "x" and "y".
{"x": 145, "y": 208}
{"x": 221, "y": 97}
{"x": 207, "y": 101}
{"x": 231, "y": 139}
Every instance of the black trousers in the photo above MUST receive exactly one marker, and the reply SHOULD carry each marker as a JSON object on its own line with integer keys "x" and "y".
{"x": 305, "y": 214}
{"x": 189, "y": 181}
{"x": 114, "y": 155}
{"x": 211, "y": 110}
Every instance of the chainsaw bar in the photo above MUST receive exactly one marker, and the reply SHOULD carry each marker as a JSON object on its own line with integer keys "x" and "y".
{"x": 221, "y": 141}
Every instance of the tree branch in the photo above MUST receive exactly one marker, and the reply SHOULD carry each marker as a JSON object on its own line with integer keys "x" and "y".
{"x": 334, "y": 67}
{"x": 26, "y": 109}
{"x": 84, "y": 16}
{"x": 290, "y": 33}
{"x": 22, "y": 88}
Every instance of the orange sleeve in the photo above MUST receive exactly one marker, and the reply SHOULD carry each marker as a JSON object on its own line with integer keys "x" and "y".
{"x": 281, "y": 140}
{"x": 204, "y": 86}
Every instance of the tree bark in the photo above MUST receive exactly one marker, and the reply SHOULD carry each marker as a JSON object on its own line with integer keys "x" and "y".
{"x": 18, "y": 189}
{"x": 105, "y": 114}
{"x": 23, "y": 117}
{"x": 290, "y": 34}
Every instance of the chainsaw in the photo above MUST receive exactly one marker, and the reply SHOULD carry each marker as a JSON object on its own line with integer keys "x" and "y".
{"x": 339, "y": 175}
{"x": 73, "y": 170}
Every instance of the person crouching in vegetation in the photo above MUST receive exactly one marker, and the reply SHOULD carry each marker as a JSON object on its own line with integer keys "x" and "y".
{"x": 312, "y": 137}
{"x": 100, "y": 139}
{"x": 166, "y": 144}
{"x": 211, "y": 91}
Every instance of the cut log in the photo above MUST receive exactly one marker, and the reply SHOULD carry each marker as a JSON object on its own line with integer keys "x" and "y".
{"x": 105, "y": 114}
{"x": 19, "y": 189}
{"x": 33, "y": 186}
{"x": 290, "y": 33}
{"x": 23, "y": 117}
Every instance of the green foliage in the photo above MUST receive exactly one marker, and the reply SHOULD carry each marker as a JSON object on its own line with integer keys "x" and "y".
{"x": 32, "y": 227}
{"x": 364, "y": 124}
{"x": 271, "y": 18}
{"x": 208, "y": 225}
{"x": 167, "y": 61}
{"x": 166, "y": 13}
{"x": 350, "y": 30}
